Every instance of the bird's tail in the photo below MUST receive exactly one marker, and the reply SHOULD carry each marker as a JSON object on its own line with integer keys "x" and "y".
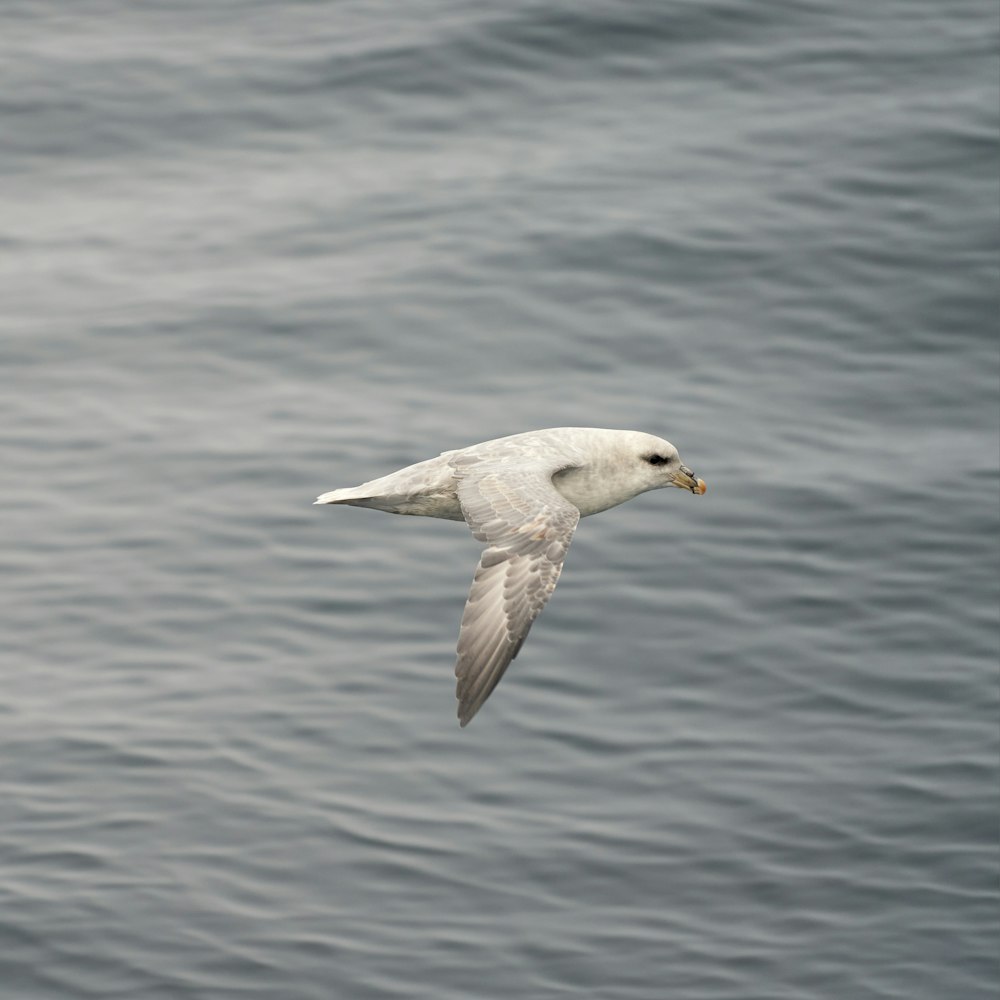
{"x": 351, "y": 496}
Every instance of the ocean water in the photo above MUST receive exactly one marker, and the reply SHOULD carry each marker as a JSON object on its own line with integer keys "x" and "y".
{"x": 255, "y": 251}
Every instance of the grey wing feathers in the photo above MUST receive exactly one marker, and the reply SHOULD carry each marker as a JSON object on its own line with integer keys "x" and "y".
{"x": 528, "y": 526}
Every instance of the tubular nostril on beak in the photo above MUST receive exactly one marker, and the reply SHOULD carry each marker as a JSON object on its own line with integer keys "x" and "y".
{"x": 687, "y": 471}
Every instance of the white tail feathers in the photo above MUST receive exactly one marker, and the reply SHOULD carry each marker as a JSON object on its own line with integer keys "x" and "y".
{"x": 335, "y": 496}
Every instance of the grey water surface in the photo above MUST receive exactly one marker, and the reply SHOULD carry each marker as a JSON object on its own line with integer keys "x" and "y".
{"x": 254, "y": 251}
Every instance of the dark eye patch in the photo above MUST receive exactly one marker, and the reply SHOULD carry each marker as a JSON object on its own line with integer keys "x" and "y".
{"x": 657, "y": 459}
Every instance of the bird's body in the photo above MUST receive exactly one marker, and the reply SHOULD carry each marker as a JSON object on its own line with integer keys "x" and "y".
{"x": 523, "y": 496}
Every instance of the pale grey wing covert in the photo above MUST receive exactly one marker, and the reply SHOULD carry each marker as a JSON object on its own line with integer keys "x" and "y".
{"x": 528, "y": 526}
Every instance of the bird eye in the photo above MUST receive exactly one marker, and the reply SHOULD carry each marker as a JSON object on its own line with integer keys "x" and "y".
{"x": 657, "y": 459}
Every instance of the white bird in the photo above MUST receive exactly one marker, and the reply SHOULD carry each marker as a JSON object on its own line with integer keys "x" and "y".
{"x": 523, "y": 496}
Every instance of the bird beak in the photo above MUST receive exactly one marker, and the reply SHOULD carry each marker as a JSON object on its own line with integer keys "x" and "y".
{"x": 685, "y": 479}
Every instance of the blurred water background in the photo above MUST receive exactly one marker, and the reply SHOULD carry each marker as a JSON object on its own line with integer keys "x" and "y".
{"x": 254, "y": 251}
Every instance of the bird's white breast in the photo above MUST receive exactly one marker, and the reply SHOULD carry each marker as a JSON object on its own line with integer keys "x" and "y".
{"x": 593, "y": 487}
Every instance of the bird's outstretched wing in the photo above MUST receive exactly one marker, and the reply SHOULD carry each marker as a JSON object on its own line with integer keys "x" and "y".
{"x": 528, "y": 526}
